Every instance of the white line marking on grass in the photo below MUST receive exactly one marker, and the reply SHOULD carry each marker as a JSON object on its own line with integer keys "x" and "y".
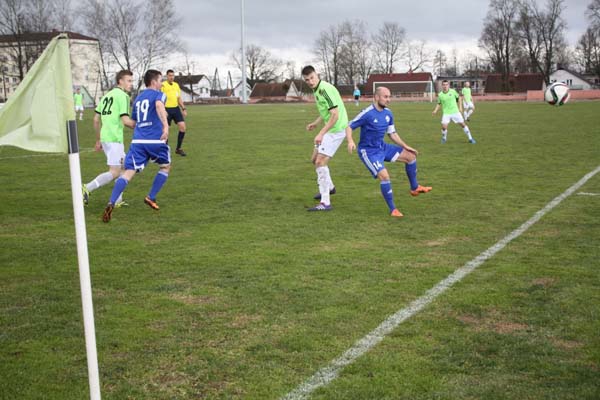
{"x": 327, "y": 374}
{"x": 44, "y": 155}
{"x": 588, "y": 194}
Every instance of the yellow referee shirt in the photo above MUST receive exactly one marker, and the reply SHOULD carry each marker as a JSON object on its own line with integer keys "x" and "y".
{"x": 173, "y": 92}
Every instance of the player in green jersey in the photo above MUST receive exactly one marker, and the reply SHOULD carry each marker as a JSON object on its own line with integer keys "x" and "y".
{"x": 111, "y": 115}
{"x": 332, "y": 113}
{"x": 448, "y": 99}
{"x": 78, "y": 100}
{"x": 467, "y": 99}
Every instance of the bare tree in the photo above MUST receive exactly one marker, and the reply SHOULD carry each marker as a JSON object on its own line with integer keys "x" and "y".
{"x": 417, "y": 55}
{"x": 588, "y": 51}
{"x": 13, "y": 23}
{"x": 497, "y": 37}
{"x": 439, "y": 62}
{"x": 328, "y": 49}
{"x": 542, "y": 34}
{"x": 63, "y": 15}
{"x": 388, "y": 43}
{"x": 129, "y": 39}
{"x": 260, "y": 63}
{"x": 355, "y": 58}
{"x": 593, "y": 13}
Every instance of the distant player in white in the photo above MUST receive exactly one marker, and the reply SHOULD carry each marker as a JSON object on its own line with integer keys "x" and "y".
{"x": 467, "y": 99}
{"x": 448, "y": 99}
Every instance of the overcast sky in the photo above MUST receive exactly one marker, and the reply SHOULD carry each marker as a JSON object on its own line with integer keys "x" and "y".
{"x": 210, "y": 29}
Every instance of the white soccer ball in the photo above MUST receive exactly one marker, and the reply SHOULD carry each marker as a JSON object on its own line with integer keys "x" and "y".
{"x": 557, "y": 94}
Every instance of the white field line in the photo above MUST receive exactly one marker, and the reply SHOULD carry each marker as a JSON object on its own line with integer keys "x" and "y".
{"x": 330, "y": 372}
{"x": 588, "y": 194}
{"x": 44, "y": 155}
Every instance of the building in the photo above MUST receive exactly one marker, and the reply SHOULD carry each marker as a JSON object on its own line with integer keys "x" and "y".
{"x": 193, "y": 87}
{"x": 86, "y": 62}
{"x": 413, "y": 84}
{"x": 574, "y": 80}
{"x": 517, "y": 83}
{"x": 458, "y": 82}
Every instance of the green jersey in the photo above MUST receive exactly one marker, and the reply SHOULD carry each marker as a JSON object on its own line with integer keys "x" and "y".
{"x": 113, "y": 105}
{"x": 466, "y": 93}
{"x": 327, "y": 98}
{"x": 449, "y": 101}
{"x": 78, "y": 99}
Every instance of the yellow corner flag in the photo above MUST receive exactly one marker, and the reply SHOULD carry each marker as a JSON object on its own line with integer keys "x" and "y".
{"x": 34, "y": 117}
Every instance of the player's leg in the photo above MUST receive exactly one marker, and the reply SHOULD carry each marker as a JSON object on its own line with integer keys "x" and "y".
{"x": 325, "y": 151}
{"x": 397, "y": 153}
{"x": 161, "y": 153}
{"x": 444, "y": 132}
{"x": 114, "y": 159}
{"x": 120, "y": 185}
{"x": 373, "y": 159}
{"x": 178, "y": 118}
{"x": 458, "y": 119}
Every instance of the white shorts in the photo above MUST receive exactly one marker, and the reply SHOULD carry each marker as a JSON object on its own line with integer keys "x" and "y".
{"x": 115, "y": 154}
{"x": 457, "y": 118}
{"x": 468, "y": 104}
{"x": 331, "y": 142}
{"x": 78, "y": 108}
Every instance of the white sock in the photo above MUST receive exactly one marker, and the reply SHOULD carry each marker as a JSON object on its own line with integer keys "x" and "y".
{"x": 101, "y": 180}
{"x": 467, "y": 132}
{"x": 444, "y": 133}
{"x": 323, "y": 180}
{"x": 469, "y": 113}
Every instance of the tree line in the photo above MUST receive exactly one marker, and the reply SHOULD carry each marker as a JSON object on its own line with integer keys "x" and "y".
{"x": 517, "y": 36}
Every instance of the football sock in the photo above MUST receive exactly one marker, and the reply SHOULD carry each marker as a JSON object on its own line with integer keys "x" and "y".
{"x": 179, "y": 140}
{"x": 101, "y": 180}
{"x": 159, "y": 181}
{"x": 388, "y": 195}
{"x": 120, "y": 185}
{"x": 467, "y": 132}
{"x": 444, "y": 133}
{"x": 411, "y": 172}
{"x": 323, "y": 180}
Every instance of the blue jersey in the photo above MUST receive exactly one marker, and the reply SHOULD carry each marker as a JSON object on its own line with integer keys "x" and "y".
{"x": 373, "y": 125}
{"x": 148, "y": 124}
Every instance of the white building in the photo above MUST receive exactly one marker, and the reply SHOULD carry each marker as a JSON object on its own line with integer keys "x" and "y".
{"x": 86, "y": 62}
{"x": 572, "y": 79}
{"x": 193, "y": 87}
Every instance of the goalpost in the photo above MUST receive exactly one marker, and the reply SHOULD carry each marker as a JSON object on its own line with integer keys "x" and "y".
{"x": 413, "y": 90}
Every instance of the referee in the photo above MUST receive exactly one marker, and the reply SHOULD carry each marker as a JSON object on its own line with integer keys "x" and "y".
{"x": 175, "y": 108}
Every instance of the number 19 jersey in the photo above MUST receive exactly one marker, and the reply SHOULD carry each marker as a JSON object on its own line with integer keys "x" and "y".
{"x": 113, "y": 105}
{"x": 148, "y": 124}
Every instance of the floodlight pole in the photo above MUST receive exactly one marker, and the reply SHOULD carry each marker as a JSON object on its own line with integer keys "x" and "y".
{"x": 83, "y": 261}
{"x": 244, "y": 94}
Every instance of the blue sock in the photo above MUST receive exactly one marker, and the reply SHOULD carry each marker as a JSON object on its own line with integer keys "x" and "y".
{"x": 388, "y": 195}
{"x": 120, "y": 185}
{"x": 411, "y": 172}
{"x": 159, "y": 181}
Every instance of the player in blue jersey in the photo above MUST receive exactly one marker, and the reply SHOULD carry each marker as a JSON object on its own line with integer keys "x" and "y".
{"x": 374, "y": 122}
{"x": 148, "y": 144}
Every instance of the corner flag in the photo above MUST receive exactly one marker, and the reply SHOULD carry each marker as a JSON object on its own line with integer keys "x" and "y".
{"x": 34, "y": 117}
{"x": 40, "y": 117}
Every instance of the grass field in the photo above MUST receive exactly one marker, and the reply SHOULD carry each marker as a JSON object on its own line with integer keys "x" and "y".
{"x": 233, "y": 291}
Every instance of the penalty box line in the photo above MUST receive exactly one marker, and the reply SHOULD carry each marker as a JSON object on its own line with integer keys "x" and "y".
{"x": 327, "y": 374}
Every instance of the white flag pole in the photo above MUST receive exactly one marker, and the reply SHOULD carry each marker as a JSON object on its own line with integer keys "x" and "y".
{"x": 84, "y": 265}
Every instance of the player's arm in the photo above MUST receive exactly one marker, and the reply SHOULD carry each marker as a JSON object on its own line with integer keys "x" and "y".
{"x": 182, "y": 106}
{"x": 127, "y": 121}
{"x": 334, "y": 116}
{"x": 351, "y": 144}
{"x": 162, "y": 114}
{"x": 394, "y": 137}
{"x": 460, "y": 105}
{"x": 97, "y": 127}
{"x": 435, "y": 110}
{"x": 314, "y": 124}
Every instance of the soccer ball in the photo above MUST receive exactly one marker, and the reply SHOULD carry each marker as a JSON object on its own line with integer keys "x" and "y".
{"x": 557, "y": 94}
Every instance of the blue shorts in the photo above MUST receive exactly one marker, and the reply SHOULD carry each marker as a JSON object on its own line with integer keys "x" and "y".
{"x": 373, "y": 158}
{"x": 140, "y": 153}
{"x": 174, "y": 114}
